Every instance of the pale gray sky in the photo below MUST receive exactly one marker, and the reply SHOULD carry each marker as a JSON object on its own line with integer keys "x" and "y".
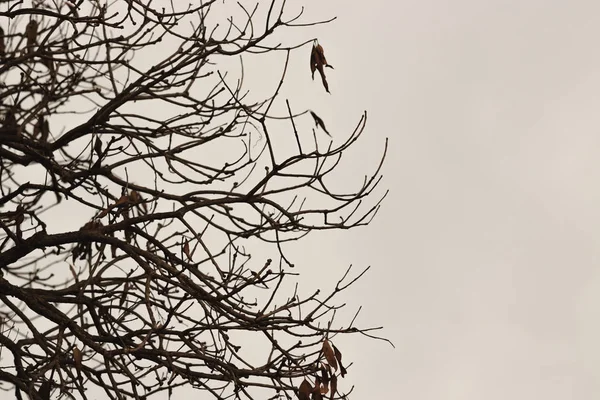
{"x": 485, "y": 255}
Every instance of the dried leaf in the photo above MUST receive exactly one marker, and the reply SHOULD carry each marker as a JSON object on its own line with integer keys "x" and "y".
{"x": 319, "y": 122}
{"x": 2, "y": 44}
{"x": 333, "y": 386}
{"x": 45, "y": 130}
{"x": 98, "y": 147}
{"x": 338, "y": 356}
{"x": 313, "y": 62}
{"x": 9, "y": 125}
{"x": 31, "y": 34}
{"x": 325, "y": 379}
{"x": 318, "y": 62}
{"x": 186, "y": 250}
{"x": 304, "y": 390}
{"x": 45, "y": 389}
{"x": 91, "y": 225}
{"x": 77, "y": 358}
{"x": 40, "y": 129}
{"x": 124, "y": 294}
{"x": 123, "y": 200}
{"x": 317, "y": 390}
{"x": 329, "y": 355}
{"x": 47, "y": 61}
{"x": 37, "y": 128}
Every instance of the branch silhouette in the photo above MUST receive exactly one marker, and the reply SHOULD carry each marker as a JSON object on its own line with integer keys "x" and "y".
{"x": 135, "y": 177}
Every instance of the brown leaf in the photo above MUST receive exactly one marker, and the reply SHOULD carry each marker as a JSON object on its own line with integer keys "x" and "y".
{"x": 77, "y": 358}
{"x": 338, "y": 356}
{"x": 45, "y": 130}
{"x": 98, "y": 146}
{"x": 91, "y": 225}
{"x": 31, "y": 34}
{"x": 9, "y": 125}
{"x": 318, "y": 62}
{"x": 2, "y": 45}
{"x": 325, "y": 378}
{"x": 48, "y": 62}
{"x": 123, "y": 200}
{"x": 333, "y": 386}
{"x": 136, "y": 198}
{"x": 186, "y": 250}
{"x": 313, "y": 62}
{"x": 317, "y": 390}
{"x": 304, "y": 390}
{"x": 40, "y": 129}
{"x": 124, "y": 294}
{"x": 37, "y": 128}
{"x": 329, "y": 355}
{"x": 319, "y": 122}
{"x": 45, "y": 389}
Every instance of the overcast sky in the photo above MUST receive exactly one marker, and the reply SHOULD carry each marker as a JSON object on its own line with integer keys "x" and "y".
{"x": 485, "y": 254}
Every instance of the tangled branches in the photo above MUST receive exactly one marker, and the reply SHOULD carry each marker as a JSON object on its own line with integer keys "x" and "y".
{"x": 134, "y": 177}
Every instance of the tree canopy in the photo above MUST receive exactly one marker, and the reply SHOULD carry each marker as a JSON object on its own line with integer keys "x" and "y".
{"x": 147, "y": 199}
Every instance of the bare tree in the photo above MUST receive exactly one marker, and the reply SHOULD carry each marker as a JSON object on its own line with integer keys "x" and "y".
{"x": 136, "y": 175}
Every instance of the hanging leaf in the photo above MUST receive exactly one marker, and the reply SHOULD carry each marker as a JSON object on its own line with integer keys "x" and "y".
{"x": 338, "y": 356}
{"x": 304, "y": 390}
{"x": 319, "y": 62}
{"x": 19, "y": 218}
{"x": 31, "y": 34}
{"x": 45, "y": 130}
{"x": 77, "y": 358}
{"x": 317, "y": 390}
{"x": 9, "y": 125}
{"x": 45, "y": 389}
{"x": 2, "y": 44}
{"x": 325, "y": 379}
{"x": 98, "y": 146}
{"x": 313, "y": 62}
{"x": 47, "y": 61}
{"x": 333, "y": 386}
{"x": 186, "y": 250}
{"x": 319, "y": 122}
{"x": 37, "y": 128}
{"x": 329, "y": 355}
{"x": 124, "y": 294}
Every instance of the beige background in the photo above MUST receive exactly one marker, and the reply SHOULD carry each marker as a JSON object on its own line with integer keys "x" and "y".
{"x": 485, "y": 254}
